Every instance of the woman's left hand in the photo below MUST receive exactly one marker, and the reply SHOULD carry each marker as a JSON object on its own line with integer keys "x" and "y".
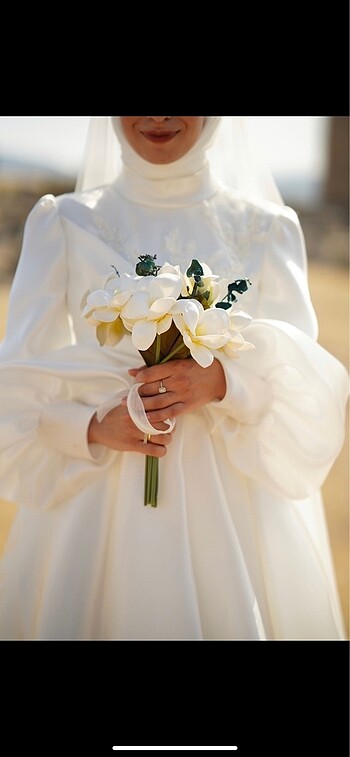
{"x": 188, "y": 386}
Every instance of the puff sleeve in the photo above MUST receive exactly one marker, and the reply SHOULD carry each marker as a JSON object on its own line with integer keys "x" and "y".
{"x": 45, "y": 409}
{"x": 281, "y": 422}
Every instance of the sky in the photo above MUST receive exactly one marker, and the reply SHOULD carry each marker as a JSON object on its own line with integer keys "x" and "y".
{"x": 293, "y": 145}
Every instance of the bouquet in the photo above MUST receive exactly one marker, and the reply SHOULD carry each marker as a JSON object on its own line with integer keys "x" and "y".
{"x": 169, "y": 314}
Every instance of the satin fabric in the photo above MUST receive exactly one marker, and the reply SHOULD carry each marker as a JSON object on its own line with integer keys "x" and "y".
{"x": 238, "y": 547}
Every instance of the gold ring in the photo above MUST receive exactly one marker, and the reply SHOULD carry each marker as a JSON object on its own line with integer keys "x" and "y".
{"x": 162, "y": 388}
{"x": 146, "y": 438}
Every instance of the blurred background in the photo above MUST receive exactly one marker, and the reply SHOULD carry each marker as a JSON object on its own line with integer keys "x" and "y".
{"x": 309, "y": 157}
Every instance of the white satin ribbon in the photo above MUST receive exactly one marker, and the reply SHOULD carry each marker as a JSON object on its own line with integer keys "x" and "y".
{"x": 136, "y": 411}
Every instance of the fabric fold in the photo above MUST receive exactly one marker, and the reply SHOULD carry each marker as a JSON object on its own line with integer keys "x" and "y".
{"x": 291, "y": 447}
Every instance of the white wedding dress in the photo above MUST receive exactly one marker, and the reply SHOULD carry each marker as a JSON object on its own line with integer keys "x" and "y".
{"x": 237, "y": 548}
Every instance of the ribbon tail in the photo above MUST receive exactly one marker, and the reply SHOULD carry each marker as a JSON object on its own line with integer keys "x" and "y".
{"x": 138, "y": 415}
{"x": 109, "y": 405}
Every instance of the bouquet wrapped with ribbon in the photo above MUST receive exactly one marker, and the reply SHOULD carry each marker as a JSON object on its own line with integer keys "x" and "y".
{"x": 169, "y": 314}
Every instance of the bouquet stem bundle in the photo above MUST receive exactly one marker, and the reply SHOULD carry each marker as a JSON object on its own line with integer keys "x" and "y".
{"x": 169, "y": 315}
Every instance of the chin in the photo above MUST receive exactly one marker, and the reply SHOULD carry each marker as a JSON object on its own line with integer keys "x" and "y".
{"x": 160, "y": 158}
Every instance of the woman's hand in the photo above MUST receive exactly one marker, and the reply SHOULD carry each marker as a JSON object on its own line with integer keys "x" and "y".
{"x": 118, "y": 432}
{"x": 188, "y": 386}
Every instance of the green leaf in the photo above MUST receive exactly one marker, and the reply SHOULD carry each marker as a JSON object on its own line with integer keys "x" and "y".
{"x": 195, "y": 270}
{"x": 147, "y": 266}
{"x": 240, "y": 286}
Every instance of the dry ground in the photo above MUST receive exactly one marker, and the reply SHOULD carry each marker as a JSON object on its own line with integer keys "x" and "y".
{"x": 329, "y": 289}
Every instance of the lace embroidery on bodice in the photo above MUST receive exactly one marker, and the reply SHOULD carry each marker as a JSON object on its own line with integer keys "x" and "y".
{"x": 236, "y": 230}
{"x": 117, "y": 238}
{"x": 181, "y": 252}
{"x": 243, "y": 225}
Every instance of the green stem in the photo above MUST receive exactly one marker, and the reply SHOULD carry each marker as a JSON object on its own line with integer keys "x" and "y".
{"x": 158, "y": 345}
{"x": 152, "y": 463}
{"x": 171, "y": 354}
{"x": 151, "y": 481}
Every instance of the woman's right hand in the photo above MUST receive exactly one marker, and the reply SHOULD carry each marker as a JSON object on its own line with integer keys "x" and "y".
{"x": 119, "y": 432}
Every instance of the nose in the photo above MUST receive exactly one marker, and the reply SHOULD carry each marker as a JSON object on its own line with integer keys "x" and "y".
{"x": 159, "y": 119}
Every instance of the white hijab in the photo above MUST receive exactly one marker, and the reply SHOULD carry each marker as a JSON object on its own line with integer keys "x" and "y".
{"x": 225, "y": 147}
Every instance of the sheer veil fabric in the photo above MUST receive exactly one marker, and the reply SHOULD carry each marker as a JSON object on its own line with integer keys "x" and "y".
{"x": 233, "y": 154}
{"x": 238, "y": 546}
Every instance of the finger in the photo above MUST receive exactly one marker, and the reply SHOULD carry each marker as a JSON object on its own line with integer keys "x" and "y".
{"x": 160, "y": 427}
{"x": 158, "y": 401}
{"x": 154, "y": 373}
{"x": 179, "y": 408}
{"x": 152, "y": 450}
{"x": 152, "y": 389}
{"x": 165, "y": 439}
{"x": 135, "y": 371}
{"x": 158, "y": 439}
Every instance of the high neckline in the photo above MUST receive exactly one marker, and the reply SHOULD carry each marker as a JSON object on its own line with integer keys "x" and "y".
{"x": 186, "y": 181}
{"x": 170, "y": 191}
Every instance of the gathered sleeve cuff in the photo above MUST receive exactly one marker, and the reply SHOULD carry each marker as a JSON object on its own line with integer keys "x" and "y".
{"x": 45, "y": 413}
{"x": 63, "y": 426}
{"x": 285, "y": 427}
{"x": 248, "y": 395}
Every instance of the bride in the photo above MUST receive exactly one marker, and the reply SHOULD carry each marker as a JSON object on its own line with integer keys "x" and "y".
{"x": 237, "y": 547}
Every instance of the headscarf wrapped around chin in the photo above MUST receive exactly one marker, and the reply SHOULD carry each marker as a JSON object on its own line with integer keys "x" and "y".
{"x": 189, "y": 163}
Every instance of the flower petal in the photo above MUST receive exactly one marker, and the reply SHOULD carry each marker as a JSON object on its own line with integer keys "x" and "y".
{"x": 87, "y": 311}
{"x": 187, "y": 340}
{"x": 137, "y": 306}
{"x": 84, "y": 301}
{"x": 102, "y": 332}
{"x": 99, "y": 298}
{"x": 144, "y": 334}
{"x": 105, "y": 316}
{"x": 168, "y": 268}
{"x": 164, "y": 324}
{"x": 160, "y": 307}
{"x": 179, "y": 323}
{"x": 191, "y": 310}
{"x": 201, "y": 355}
{"x": 213, "y": 341}
{"x": 230, "y": 350}
{"x": 247, "y": 346}
{"x": 119, "y": 299}
{"x": 236, "y": 338}
{"x": 115, "y": 331}
{"x": 219, "y": 290}
{"x": 239, "y": 319}
{"x": 207, "y": 271}
{"x": 213, "y": 321}
{"x": 165, "y": 285}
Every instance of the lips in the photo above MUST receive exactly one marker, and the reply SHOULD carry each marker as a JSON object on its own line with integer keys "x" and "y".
{"x": 159, "y": 137}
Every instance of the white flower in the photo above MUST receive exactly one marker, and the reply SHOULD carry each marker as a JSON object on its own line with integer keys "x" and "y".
{"x": 202, "y": 330}
{"x": 147, "y": 312}
{"x": 168, "y": 268}
{"x": 104, "y": 304}
{"x": 238, "y": 318}
{"x": 215, "y": 287}
{"x": 206, "y": 331}
{"x": 238, "y": 321}
{"x": 102, "y": 307}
